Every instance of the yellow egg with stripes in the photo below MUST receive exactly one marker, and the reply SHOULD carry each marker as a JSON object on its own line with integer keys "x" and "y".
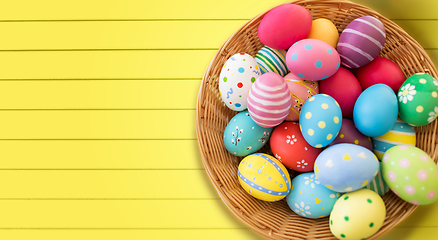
{"x": 401, "y": 133}
{"x": 264, "y": 177}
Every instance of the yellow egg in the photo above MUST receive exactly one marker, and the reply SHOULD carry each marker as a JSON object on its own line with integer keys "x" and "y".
{"x": 324, "y": 30}
{"x": 357, "y": 215}
{"x": 264, "y": 177}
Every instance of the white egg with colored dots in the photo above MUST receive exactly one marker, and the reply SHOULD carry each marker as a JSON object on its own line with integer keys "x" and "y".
{"x": 264, "y": 177}
{"x": 320, "y": 120}
{"x": 346, "y": 167}
{"x": 237, "y": 76}
{"x": 357, "y": 215}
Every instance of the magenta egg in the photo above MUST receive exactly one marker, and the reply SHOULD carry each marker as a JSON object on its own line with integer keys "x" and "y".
{"x": 350, "y": 134}
{"x": 269, "y": 100}
{"x": 312, "y": 59}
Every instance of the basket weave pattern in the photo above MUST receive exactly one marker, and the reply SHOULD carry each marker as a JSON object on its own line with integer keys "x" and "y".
{"x": 276, "y": 220}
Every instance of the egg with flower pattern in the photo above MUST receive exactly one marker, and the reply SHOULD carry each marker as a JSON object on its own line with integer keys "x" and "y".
{"x": 264, "y": 177}
{"x": 309, "y": 198}
{"x": 418, "y": 99}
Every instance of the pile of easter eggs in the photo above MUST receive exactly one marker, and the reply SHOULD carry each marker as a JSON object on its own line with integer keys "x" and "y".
{"x": 335, "y": 114}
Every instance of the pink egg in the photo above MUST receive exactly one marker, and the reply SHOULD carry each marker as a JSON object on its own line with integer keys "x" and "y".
{"x": 300, "y": 91}
{"x": 312, "y": 59}
{"x": 269, "y": 100}
{"x": 284, "y": 25}
{"x": 344, "y": 88}
{"x": 350, "y": 134}
{"x": 380, "y": 70}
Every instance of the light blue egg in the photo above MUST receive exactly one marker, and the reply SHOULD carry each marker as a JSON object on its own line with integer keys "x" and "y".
{"x": 375, "y": 110}
{"x": 320, "y": 120}
{"x": 346, "y": 167}
{"x": 243, "y": 136}
{"x": 309, "y": 198}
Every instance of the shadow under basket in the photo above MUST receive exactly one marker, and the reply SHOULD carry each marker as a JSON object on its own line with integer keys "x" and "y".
{"x": 275, "y": 220}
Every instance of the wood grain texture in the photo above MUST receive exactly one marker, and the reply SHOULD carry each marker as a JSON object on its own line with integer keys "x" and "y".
{"x": 97, "y": 120}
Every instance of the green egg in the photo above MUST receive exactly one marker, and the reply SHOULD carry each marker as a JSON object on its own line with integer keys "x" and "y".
{"x": 418, "y": 99}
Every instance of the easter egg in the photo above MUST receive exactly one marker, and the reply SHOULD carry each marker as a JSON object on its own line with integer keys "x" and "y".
{"x": 264, "y": 177}
{"x": 237, "y": 76}
{"x": 300, "y": 91}
{"x": 308, "y": 198}
{"x": 272, "y": 60}
{"x": 400, "y": 134}
{"x": 357, "y": 215}
{"x": 324, "y": 30}
{"x": 269, "y": 100}
{"x": 361, "y": 41}
{"x": 344, "y": 88}
{"x": 321, "y": 120}
{"x": 378, "y": 185}
{"x": 346, "y": 167}
{"x": 289, "y": 146}
{"x": 411, "y": 174}
{"x": 418, "y": 99}
{"x": 375, "y": 110}
{"x": 243, "y": 136}
{"x": 350, "y": 134}
{"x": 380, "y": 70}
{"x": 284, "y": 25}
{"x": 312, "y": 59}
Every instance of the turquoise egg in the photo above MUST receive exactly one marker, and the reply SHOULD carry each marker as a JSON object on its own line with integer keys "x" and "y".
{"x": 243, "y": 136}
{"x": 346, "y": 167}
{"x": 375, "y": 110}
{"x": 320, "y": 120}
{"x": 309, "y": 198}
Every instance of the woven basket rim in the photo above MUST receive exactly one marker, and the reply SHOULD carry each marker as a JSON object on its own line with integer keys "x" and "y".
{"x": 203, "y": 142}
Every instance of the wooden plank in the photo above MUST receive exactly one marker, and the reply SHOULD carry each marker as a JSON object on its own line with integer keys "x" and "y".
{"x": 82, "y": 124}
{"x": 90, "y": 154}
{"x": 122, "y": 214}
{"x": 205, "y": 34}
{"x": 98, "y": 184}
{"x": 227, "y": 9}
{"x": 116, "y": 94}
{"x": 140, "y": 234}
{"x": 410, "y": 233}
{"x": 149, "y": 64}
{"x": 119, "y": 214}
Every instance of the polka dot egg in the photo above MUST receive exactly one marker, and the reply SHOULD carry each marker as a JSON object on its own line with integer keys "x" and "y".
{"x": 357, "y": 215}
{"x": 308, "y": 198}
{"x": 237, "y": 76}
{"x": 411, "y": 174}
{"x": 320, "y": 120}
{"x": 264, "y": 177}
{"x": 312, "y": 59}
{"x": 418, "y": 99}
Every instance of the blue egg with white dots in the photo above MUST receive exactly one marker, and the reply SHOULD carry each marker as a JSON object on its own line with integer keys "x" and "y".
{"x": 243, "y": 136}
{"x": 320, "y": 120}
{"x": 309, "y": 198}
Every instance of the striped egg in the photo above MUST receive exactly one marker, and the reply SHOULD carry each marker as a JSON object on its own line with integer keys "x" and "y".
{"x": 400, "y": 133}
{"x": 272, "y": 60}
{"x": 361, "y": 41}
{"x": 378, "y": 185}
{"x": 264, "y": 177}
{"x": 300, "y": 91}
{"x": 269, "y": 100}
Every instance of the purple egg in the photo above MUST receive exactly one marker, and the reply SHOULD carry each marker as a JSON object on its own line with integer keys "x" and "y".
{"x": 350, "y": 134}
{"x": 361, "y": 41}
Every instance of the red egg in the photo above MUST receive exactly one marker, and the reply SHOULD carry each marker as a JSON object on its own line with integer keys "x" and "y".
{"x": 344, "y": 87}
{"x": 350, "y": 134}
{"x": 289, "y": 146}
{"x": 284, "y": 25}
{"x": 380, "y": 70}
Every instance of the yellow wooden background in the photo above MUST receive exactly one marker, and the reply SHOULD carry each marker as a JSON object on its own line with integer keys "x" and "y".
{"x": 97, "y": 116}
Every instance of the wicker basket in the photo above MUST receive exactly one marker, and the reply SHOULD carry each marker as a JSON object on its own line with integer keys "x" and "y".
{"x": 276, "y": 220}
